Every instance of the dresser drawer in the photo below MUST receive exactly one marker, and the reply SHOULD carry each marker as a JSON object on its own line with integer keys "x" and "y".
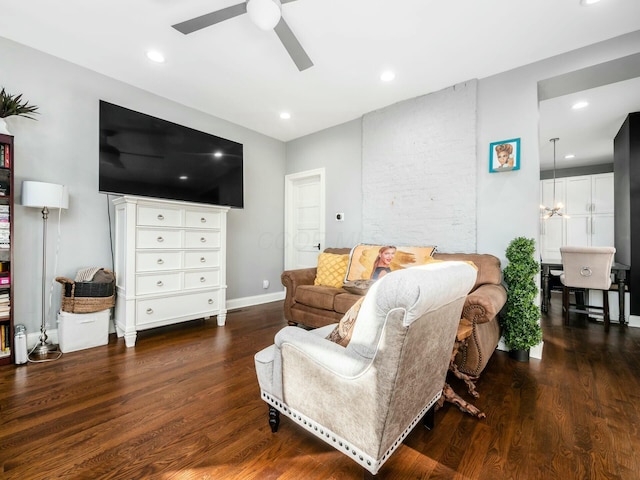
{"x": 201, "y": 219}
{"x": 156, "y": 238}
{"x": 160, "y": 283}
{"x": 202, "y": 259}
{"x": 177, "y": 306}
{"x": 201, "y": 239}
{"x": 155, "y": 216}
{"x": 202, "y": 279}
{"x": 153, "y": 261}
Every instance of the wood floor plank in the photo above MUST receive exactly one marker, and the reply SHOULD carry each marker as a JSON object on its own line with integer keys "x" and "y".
{"x": 184, "y": 404}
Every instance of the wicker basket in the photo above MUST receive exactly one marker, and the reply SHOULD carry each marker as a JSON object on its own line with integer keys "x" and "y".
{"x": 86, "y": 297}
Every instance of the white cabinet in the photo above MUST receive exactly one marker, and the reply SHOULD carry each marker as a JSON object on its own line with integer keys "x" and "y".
{"x": 590, "y": 194}
{"x": 170, "y": 263}
{"x": 588, "y": 204}
{"x": 590, "y": 208}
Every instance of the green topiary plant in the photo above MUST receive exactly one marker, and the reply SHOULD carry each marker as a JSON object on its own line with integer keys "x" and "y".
{"x": 520, "y": 325}
{"x": 13, "y": 105}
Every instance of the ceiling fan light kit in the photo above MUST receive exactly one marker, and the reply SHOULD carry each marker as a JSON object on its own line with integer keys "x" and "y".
{"x": 264, "y": 13}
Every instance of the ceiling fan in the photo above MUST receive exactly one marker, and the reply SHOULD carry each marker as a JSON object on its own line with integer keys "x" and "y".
{"x": 266, "y": 14}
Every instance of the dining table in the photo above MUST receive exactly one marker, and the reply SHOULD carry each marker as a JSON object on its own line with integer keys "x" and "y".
{"x": 619, "y": 270}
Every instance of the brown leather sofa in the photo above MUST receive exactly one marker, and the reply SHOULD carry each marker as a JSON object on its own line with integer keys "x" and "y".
{"x": 314, "y": 306}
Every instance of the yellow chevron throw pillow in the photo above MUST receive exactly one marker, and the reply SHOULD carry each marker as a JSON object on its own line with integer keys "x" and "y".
{"x": 332, "y": 268}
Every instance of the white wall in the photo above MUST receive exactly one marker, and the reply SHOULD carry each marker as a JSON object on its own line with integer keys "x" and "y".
{"x": 507, "y": 107}
{"x": 419, "y": 171}
{"x": 508, "y": 203}
{"x": 339, "y": 151}
{"x": 62, "y": 147}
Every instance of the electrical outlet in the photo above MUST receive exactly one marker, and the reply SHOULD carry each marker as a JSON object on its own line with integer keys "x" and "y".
{"x": 265, "y": 284}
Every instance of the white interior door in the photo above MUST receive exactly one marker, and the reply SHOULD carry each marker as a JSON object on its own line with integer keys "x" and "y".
{"x": 304, "y": 218}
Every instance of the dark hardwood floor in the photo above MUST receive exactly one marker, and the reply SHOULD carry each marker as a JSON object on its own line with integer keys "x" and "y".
{"x": 184, "y": 404}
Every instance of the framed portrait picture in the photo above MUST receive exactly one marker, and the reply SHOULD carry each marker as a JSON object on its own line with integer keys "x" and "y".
{"x": 504, "y": 156}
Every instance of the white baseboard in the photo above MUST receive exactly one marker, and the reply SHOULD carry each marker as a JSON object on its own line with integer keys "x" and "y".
{"x": 255, "y": 300}
{"x": 52, "y": 335}
{"x": 34, "y": 337}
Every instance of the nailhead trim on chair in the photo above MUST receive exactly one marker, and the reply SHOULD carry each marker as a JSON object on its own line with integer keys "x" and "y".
{"x": 340, "y": 443}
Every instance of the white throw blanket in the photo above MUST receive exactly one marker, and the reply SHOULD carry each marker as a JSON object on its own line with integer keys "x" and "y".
{"x": 87, "y": 274}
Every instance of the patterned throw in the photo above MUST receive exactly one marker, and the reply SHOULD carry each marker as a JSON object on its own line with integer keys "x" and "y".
{"x": 86, "y": 274}
{"x": 342, "y": 333}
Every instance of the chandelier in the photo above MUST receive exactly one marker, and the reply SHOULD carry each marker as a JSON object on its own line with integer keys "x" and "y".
{"x": 549, "y": 212}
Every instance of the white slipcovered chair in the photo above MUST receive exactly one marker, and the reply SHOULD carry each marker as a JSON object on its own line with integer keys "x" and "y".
{"x": 586, "y": 268}
{"x": 365, "y": 398}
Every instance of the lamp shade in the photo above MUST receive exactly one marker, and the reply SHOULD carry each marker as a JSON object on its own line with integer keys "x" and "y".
{"x": 40, "y": 194}
{"x": 264, "y": 13}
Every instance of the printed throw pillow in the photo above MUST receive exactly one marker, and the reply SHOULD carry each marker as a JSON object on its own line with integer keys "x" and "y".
{"x": 331, "y": 270}
{"x": 370, "y": 262}
{"x": 342, "y": 333}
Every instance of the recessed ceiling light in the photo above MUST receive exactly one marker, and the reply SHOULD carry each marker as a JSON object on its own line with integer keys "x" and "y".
{"x": 183, "y": 177}
{"x": 285, "y": 115}
{"x": 155, "y": 56}
{"x": 569, "y": 156}
{"x": 217, "y": 154}
{"x": 579, "y": 105}
{"x": 387, "y": 76}
{"x": 588, "y": 2}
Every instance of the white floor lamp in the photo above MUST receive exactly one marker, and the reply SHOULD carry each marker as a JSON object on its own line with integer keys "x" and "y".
{"x": 44, "y": 196}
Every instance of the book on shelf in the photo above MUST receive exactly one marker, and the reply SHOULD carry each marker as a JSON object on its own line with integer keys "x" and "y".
{"x": 6, "y": 158}
{"x": 5, "y": 340}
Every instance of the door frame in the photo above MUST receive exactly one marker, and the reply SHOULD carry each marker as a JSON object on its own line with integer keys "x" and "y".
{"x": 289, "y": 220}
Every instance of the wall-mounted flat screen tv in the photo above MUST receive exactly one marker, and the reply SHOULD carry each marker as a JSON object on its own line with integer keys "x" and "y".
{"x": 150, "y": 157}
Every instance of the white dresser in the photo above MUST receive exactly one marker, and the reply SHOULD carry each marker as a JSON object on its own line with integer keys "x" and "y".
{"x": 170, "y": 263}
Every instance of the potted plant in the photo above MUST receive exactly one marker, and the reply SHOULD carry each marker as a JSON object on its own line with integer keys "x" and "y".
{"x": 520, "y": 322}
{"x": 13, "y": 105}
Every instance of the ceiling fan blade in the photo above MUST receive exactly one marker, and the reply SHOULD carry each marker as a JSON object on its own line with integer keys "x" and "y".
{"x": 291, "y": 43}
{"x": 204, "y": 21}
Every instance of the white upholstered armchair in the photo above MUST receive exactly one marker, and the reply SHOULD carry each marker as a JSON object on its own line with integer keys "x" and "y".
{"x": 365, "y": 398}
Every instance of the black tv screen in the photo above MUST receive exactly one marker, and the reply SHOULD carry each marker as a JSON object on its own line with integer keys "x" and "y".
{"x": 146, "y": 156}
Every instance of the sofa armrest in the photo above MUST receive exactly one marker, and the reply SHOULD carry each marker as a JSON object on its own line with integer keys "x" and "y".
{"x": 291, "y": 279}
{"x": 484, "y": 303}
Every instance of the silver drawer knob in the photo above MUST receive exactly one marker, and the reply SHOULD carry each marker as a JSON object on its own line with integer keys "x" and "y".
{"x": 160, "y": 239}
{"x": 160, "y": 261}
{"x": 160, "y": 217}
{"x": 211, "y": 301}
{"x": 203, "y": 240}
{"x": 149, "y": 311}
{"x": 203, "y": 260}
{"x": 202, "y": 279}
{"x": 159, "y": 283}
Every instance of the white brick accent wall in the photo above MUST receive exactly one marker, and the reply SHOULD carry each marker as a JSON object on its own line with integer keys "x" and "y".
{"x": 419, "y": 171}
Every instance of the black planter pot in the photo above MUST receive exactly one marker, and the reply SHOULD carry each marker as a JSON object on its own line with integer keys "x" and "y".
{"x": 519, "y": 355}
